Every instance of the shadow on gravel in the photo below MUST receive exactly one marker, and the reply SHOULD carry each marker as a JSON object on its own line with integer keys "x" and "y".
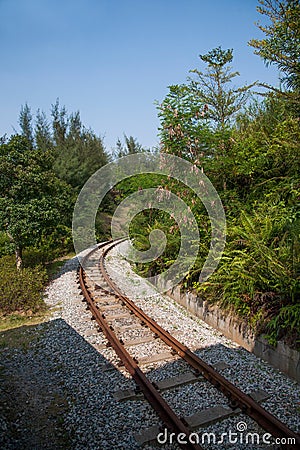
{"x": 247, "y": 372}
{"x": 49, "y": 375}
{"x": 57, "y": 392}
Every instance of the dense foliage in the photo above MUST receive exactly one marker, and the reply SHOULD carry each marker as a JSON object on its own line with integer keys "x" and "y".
{"x": 77, "y": 151}
{"x": 247, "y": 145}
{"x": 20, "y": 290}
{"x": 280, "y": 45}
{"x": 259, "y": 272}
{"x": 41, "y": 172}
{"x": 250, "y": 151}
{"x": 33, "y": 200}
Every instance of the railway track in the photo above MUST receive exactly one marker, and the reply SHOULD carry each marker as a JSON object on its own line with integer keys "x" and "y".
{"x": 116, "y": 316}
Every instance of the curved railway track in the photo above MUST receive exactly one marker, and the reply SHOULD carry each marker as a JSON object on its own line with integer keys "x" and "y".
{"x": 108, "y": 305}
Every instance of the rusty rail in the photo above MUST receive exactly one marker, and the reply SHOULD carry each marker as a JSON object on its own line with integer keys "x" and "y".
{"x": 238, "y": 399}
{"x": 170, "y": 419}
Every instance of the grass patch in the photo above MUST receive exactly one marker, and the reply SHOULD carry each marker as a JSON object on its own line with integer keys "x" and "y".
{"x": 21, "y": 298}
{"x": 54, "y": 267}
{"x": 16, "y": 320}
{"x": 21, "y": 291}
{"x": 17, "y": 332}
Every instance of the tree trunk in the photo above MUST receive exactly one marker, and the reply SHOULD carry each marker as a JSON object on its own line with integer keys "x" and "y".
{"x": 18, "y": 251}
{"x": 19, "y": 261}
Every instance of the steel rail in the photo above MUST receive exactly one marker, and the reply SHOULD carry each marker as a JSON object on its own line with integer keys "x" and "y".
{"x": 237, "y": 398}
{"x": 170, "y": 419}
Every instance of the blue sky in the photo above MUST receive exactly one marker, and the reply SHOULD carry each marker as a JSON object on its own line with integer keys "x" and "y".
{"x": 112, "y": 59}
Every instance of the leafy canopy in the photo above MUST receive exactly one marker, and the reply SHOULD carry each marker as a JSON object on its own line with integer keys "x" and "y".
{"x": 32, "y": 200}
{"x": 78, "y": 152}
{"x": 281, "y": 44}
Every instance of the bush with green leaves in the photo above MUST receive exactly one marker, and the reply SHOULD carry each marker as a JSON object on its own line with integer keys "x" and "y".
{"x": 258, "y": 275}
{"x": 6, "y": 247}
{"x": 21, "y": 290}
{"x": 252, "y": 159}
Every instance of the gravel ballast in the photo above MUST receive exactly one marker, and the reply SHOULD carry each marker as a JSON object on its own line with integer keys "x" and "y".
{"x": 70, "y": 384}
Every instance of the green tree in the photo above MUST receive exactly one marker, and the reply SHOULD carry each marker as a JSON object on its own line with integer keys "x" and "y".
{"x": 212, "y": 88}
{"x": 25, "y": 122}
{"x": 33, "y": 201}
{"x": 78, "y": 151}
{"x": 130, "y": 146}
{"x": 184, "y": 129}
{"x": 250, "y": 152}
{"x": 281, "y": 44}
{"x": 195, "y": 117}
{"x": 59, "y": 123}
{"x": 42, "y": 132}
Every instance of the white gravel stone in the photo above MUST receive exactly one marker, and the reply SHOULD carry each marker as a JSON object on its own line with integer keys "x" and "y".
{"x": 67, "y": 352}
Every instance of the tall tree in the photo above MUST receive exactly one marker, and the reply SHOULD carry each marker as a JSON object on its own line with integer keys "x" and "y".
{"x": 195, "y": 117}
{"x": 33, "y": 201}
{"x": 59, "y": 123}
{"x": 78, "y": 151}
{"x": 42, "y": 132}
{"x": 212, "y": 87}
{"x": 130, "y": 146}
{"x": 281, "y": 44}
{"x": 25, "y": 122}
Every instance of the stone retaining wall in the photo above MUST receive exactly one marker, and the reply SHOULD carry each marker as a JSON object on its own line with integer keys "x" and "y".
{"x": 282, "y": 357}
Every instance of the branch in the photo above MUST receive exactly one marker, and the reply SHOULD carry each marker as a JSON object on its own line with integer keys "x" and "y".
{"x": 288, "y": 94}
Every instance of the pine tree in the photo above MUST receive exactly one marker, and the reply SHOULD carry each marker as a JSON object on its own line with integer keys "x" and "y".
{"x": 196, "y": 116}
{"x": 130, "y": 147}
{"x": 59, "y": 123}
{"x": 42, "y": 133}
{"x": 212, "y": 89}
{"x": 78, "y": 151}
{"x": 25, "y": 122}
{"x": 281, "y": 44}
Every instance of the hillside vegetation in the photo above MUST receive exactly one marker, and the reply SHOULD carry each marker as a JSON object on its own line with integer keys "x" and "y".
{"x": 244, "y": 138}
{"x": 248, "y": 146}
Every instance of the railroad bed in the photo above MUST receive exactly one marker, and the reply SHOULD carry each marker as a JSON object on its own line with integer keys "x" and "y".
{"x": 118, "y": 416}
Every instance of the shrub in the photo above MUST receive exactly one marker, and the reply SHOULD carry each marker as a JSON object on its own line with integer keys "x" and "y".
{"x": 6, "y": 247}
{"x": 286, "y": 323}
{"x": 258, "y": 274}
{"x": 52, "y": 246}
{"x": 20, "y": 290}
